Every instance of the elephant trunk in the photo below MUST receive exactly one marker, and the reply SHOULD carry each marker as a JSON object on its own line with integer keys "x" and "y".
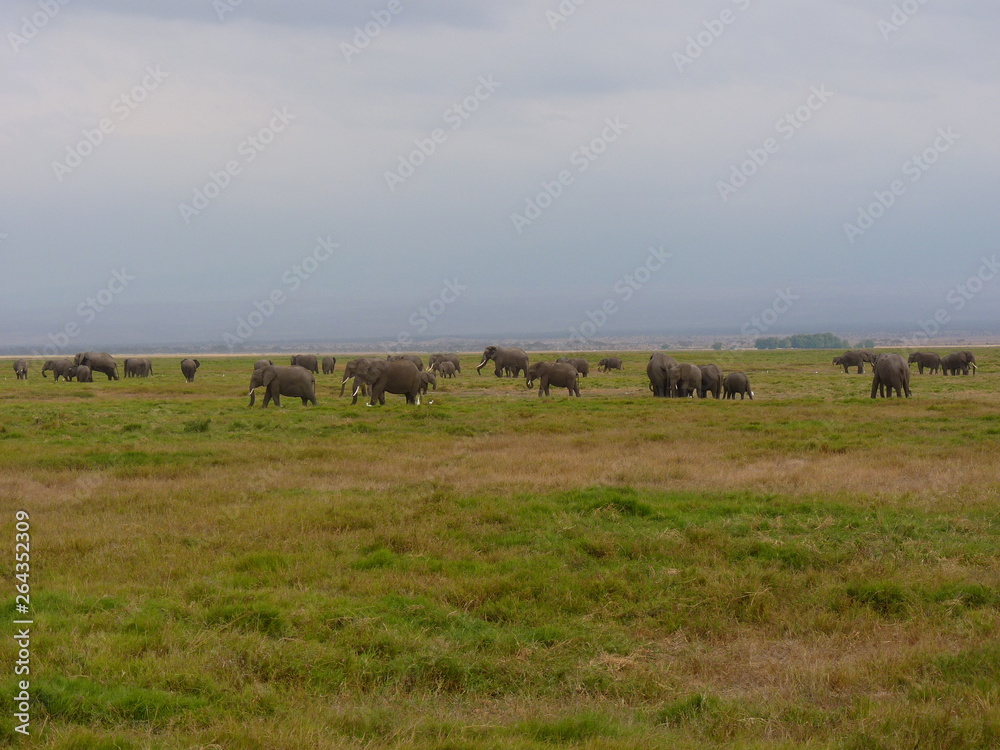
{"x": 481, "y": 366}
{"x": 253, "y": 397}
{"x": 974, "y": 368}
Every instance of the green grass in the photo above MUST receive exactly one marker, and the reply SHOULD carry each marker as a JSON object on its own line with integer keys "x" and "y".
{"x": 810, "y": 569}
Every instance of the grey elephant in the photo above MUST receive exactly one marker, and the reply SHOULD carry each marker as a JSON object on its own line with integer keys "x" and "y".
{"x": 436, "y": 359}
{"x": 582, "y": 366}
{"x": 427, "y": 379}
{"x": 891, "y": 374}
{"x": 98, "y": 362}
{"x": 658, "y": 372}
{"x": 188, "y": 368}
{"x": 559, "y": 374}
{"x": 711, "y": 381}
{"x": 445, "y": 369}
{"x": 308, "y": 361}
{"x": 409, "y": 358}
{"x": 294, "y": 381}
{"x": 262, "y": 363}
{"x": 351, "y": 370}
{"x": 737, "y": 382}
{"x": 57, "y": 366}
{"x": 137, "y": 367}
{"x": 686, "y": 379}
{"x": 867, "y": 355}
{"x": 82, "y": 373}
{"x": 610, "y": 363}
{"x": 21, "y": 369}
{"x": 509, "y": 360}
{"x": 398, "y": 376}
{"x": 329, "y": 365}
{"x": 930, "y": 360}
{"x": 956, "y": 362}
{"x": 851, "y": 359}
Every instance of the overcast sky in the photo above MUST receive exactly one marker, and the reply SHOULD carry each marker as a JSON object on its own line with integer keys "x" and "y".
{"x": 209, "y": 171}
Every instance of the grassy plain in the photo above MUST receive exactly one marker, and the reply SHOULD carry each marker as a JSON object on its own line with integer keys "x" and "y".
{"x": 494, "y": 570}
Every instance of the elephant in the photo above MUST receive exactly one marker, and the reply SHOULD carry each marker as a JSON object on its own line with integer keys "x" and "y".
{"x": 658, "y": 371}
{"x": 409, "y": 358}
{"x": 21, "y": 369}
{"x": 952, "y": 363}
{"x": 427, "y": 378}
{"x": 851, "y": 359}
{"x": 867, "y": 355}
{"x": 138, "y": 367}
{"x": 891, "y": 373}
{"x": 610, "y": 363}
{"x": 399, "y": 376}
{"x": 711, "y": 381}
{"x": 82, "y": 373}
{"x": 189, "y": 367}
{"x": 737, "y": 382}
{"x": 686, "y": 379}
{"x": 262, "y": 363}
{"x": 930, "y": 360}
{"x": 58, "y": 367}
{"x": 445, "y": 369}
{"x": 329, "y": 365}
{"x": 295, "y": 381}
{"x": 437, "y": 359}
{"x": 308, "y": 361}
{"x": 351, "y": 371}
{"x": 98, "y": 362}
{"x": 582, "y": 366}
{"x": 511, "y": 360}
{"x": 559, "y": 374}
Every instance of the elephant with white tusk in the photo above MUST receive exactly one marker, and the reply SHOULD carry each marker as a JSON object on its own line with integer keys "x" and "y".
{"x": 294, "y": 381}
{"x": 512, "y": 361}
{"x": 559, "y": 374}
{"x": 436, "y": 360}
{"x": 383, "y": 376}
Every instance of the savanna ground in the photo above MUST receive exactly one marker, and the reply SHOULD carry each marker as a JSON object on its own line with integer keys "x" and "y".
{"x": 494, "y": 570}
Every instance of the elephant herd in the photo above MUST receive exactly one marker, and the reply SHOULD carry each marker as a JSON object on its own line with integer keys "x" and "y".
{"x": 950, "y": 364}
{"x": 84, "y": 364}
{"x": 670, "y": 379}
{"x": 405, "y": 374}
{"x": 891, "y": 373}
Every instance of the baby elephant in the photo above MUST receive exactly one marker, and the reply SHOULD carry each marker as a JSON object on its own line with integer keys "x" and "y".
{"x": 559, "y": 374}
{"x": 21, "y": 369}
{"x": 445, "y": 369}
{"x": 737, "y": 382}
{"x": 82, "y": 373}
{"x": 427, "y": 378}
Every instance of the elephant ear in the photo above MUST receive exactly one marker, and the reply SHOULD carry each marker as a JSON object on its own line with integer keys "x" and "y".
{"x": 197, "y": 363}
{"x": 269, "y": 376}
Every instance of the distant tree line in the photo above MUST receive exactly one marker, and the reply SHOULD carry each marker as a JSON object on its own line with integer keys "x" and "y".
{"x": 803, "y": 341}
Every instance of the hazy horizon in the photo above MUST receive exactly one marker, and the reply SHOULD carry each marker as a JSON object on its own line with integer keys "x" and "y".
{"x": 379, "y": 171}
